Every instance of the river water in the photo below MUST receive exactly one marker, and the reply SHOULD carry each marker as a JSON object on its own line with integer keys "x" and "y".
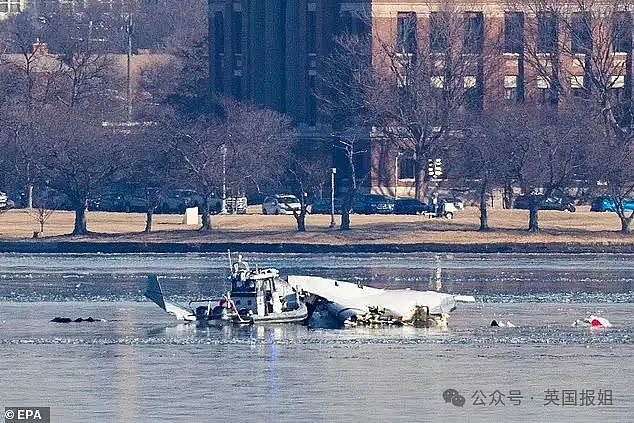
{"x": 140, "y": 366}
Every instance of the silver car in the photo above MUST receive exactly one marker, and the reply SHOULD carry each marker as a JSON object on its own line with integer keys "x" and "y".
{"x": 281, "y": 204}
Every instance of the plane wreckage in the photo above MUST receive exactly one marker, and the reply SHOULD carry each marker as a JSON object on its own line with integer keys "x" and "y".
{"x": 332, "y": 302}
{"x": 261, "y": 296}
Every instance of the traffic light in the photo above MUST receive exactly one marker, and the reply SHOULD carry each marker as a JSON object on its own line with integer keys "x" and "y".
{"x": 434, "y": 168}
{"x": 438, "y": 168}
{"x": 430, "y": 167}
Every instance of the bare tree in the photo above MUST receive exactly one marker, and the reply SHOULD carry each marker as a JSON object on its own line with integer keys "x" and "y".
{"x": 481, "y": 155}
{"x": 305, "y": 175}
{"x": 245, "y": 146}
{"x": 424, "y": 85}
{"x": 418, "y": 84}
{"x": 41, "y": 214}
{"x": 76, "y": 157}
{"x": 151, "y": 170}
{"x": 346, "y": 79}
{"x": 546, "y": 152}
{"x": 581, "y": 53}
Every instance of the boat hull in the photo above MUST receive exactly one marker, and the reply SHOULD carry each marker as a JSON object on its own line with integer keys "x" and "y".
{"x": 292, "y": 316}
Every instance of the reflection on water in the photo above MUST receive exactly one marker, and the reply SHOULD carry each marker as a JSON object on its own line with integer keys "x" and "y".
{"x": 141, "y": 366}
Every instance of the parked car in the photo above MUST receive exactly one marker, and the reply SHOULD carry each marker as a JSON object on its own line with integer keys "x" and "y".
{"x": 457, "y": 202}
{"x": 373, "y": 204}
{"x": 550, "y": 203}
{"x": 606, "y": 204}
{"x": 324, "y": 207}
{"x": 176, "y": 201}
{"x": 281, "y": 204}
{"x": 109, "y": 202}
{"x": 410, "y": 206}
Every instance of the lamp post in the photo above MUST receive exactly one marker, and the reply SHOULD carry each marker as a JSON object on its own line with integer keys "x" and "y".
{"x": 129, "y": 67}
{"x": 398, "y": 154}
{"x": 333, "y": 171}
{"x": 223, "y": 210}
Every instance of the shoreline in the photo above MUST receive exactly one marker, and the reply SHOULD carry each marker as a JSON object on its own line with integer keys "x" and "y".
{"x": 123, "y": 247}
{"x": 580, "y": 232}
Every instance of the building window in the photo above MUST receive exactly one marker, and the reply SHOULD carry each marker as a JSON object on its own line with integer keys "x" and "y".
{"x": 353, "y": 24}
{"x": 312, "y": 98}
{"x": 581, "y": 42}
{"x": 236, "y": 30}
{"x": 547, "y": 32}
{"x": 438, "y": 82}
{"x": 473, "y": 33}
{"x": 622, "y": 32}
{"x": 617, "y": 88}
{"x": 407, "y": 32}
{"x": 311, "y": 28}
{"x": 402, "y": 65}
{"x": 219, "y": 32}
{"x": 473, "y": 96}
{"x": 510, "y": 87}
{"x": 406, "y": 167}
{"x": 236, "y": 85}
{"x": 514, "y": 32}
{"x": 543, "y": 83}
{"x": 544, "y": 91}
{"x": 439, "y": 32}
{"x": 577, "y": 86}
{"x": 219, "y": 49}
{"x": 10, "y": 6}
{"x": 617, "y": 81}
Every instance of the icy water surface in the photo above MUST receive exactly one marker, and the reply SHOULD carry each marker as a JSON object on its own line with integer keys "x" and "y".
{"x": 140, "y": 366}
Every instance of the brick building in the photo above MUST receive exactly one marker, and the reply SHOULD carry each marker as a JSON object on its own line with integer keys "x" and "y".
{"x": 268, "y": 51}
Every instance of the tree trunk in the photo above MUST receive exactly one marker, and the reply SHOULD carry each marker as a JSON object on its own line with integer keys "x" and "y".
{"x": 80, "y": 221}
{"x": 345, "y": 210}
{"x": 149, "y": 217}
{"x": 508, "y": 195}
{"x": 345, "y": 219}
{"x": 301, "y": 220}
{"x": 484, "y": 216}
{"x": 420, "y": 173}
{"x": 206, "y": 216}
{"x": 533, "y": 215}
{"x": 625, "y": 224}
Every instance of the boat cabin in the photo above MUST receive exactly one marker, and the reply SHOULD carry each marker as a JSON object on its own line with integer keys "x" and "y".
{"x": 254, "y": 292}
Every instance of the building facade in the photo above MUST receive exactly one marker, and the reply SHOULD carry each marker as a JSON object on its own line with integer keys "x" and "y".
{"x": 268, "y": 52}
{"x": 8, "y": 7}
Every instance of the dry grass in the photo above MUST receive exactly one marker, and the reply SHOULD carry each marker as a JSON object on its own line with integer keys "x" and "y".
{"x": 582, "y": 228}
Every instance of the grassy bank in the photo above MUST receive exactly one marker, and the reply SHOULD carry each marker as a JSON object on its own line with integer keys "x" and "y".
{"x": 581, "y": 229}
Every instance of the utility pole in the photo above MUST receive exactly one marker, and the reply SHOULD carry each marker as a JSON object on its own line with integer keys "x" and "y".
{"x": 129, "y": 33}
{"x": 333, "y": 171}
{"x": 398, "y": 154}
{"x": 223, "y": 210}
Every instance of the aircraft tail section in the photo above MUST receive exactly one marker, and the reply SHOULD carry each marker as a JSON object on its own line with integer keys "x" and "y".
{"x": 155, "y": 293}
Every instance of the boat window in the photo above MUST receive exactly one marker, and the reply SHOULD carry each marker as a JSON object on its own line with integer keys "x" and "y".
{"x": 249, "y": 302}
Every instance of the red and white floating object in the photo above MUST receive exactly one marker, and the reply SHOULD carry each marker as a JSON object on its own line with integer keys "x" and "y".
{"x": 593, "y": 321}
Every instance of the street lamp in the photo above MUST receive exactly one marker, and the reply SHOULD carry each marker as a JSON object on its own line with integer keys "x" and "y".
{"x": 223, "y": 210}
{"x": 333, "y": 171}
{"x": 398, "y": 154}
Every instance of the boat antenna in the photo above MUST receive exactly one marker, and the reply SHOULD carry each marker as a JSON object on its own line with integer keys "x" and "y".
{"x": 230, "y": 263}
